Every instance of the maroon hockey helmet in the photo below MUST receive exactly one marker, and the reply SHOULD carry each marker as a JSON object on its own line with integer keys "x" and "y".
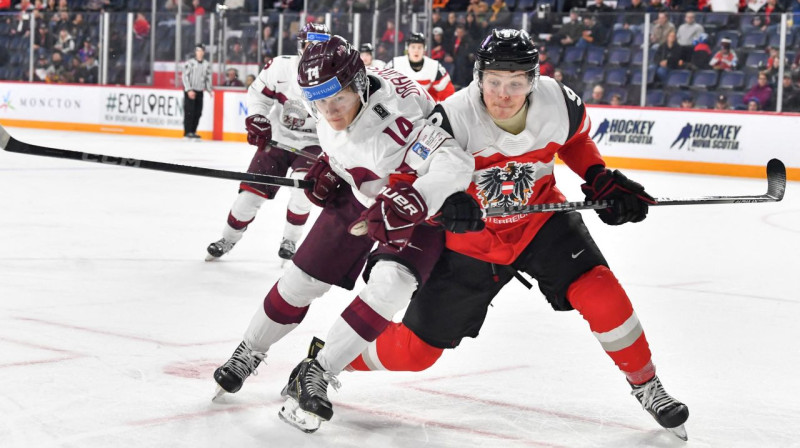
{"x": 312, "y": 32}
{"x": 326, "y": 68}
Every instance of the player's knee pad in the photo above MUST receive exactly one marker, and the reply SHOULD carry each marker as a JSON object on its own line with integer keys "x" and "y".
{"x": 599, "y": 297}
{"x": 298, "y": 202}
{"x": 246, "y": 205}
{"x": 298, "y": 288}
{"x": 389, "y": 288}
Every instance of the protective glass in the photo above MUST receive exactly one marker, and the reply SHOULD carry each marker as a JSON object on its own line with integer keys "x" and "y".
{"x": 506, "y": 83}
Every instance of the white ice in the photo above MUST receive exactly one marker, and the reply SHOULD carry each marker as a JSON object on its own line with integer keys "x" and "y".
{"x": 111, "y": 323}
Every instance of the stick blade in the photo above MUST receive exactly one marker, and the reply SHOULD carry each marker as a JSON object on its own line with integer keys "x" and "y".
{"x": 4, "y": 137}
{"x": 776, "y": 179}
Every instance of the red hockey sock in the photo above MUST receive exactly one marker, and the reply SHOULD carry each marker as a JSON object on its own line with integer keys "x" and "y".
{"x": 398, "y": 349}
{"x": 296, "y": 219}
{"x": 236, "y": 224}
{"x": 600, "y": 299}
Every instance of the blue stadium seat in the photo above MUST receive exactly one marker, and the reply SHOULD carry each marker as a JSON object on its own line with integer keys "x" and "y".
{"x": 619, "y": 56}
{"x": 735, "y": 100}
{"x": 677, "y": 79}
{"x": 655, "y": 98}
{"x": 733, "y": 80}
{"x": 636, "y": 76}
{"x": 756, "y": 60}
{"x": 751, "y": 80}
{"x": 638, "y": 39}
{"x": 595, "y": 55}
{"x": 621, "y": 38}
{"x": 705, "y": 79}
{"x": 592, "y": 75}
{"x": 731, "y": 35}
{"x": 705, "y": 100}
{"x": 676, "y": 98}
{"x": 573, "y": 55}
{"x": 754, "y": 39}
{"x": 716, "y": 20}
{"x": 617, "y": 77}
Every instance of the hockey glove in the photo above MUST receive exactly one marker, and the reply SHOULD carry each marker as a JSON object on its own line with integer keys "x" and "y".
{"x": 259, "y": 131}
{"x": 326, "y": 182}
{"x": 630, "y": 199}
{"x": 460, "y": 213}
{"x": 393, "y": 216}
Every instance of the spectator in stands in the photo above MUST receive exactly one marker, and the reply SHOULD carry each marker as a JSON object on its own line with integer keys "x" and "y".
{"x": 382, "y": 53}
{"x": 86, "y": 50}
{"x": 95, "y": 5}
{"x": 236, "y": 55}
{"x": 437, "y": 20}
{"x": 602, "y": 12}
{"x": 657, "y": 6}
{"x": 540, "y": 21}
{"x": 388, "y": 35}
{"x": 63, "y": 6}
{"x": 753, "y": 6}
{"x": 594, "y": 33}
{"x": 546, "y": 68}
{"x": 598, "y": 92}
{"x": 761, "y": 91}
{"x": 72, "y": 70}
{"x": 51, "y": 7}
{"x": 689, "y": 31}
{"x": 660, "y": 29}
{"x": 438, "y": 51}
{"x": 772, "y": 14}
{"x": 462, "y": 64}
{"x": 141, "y": 27}
{"x": 500, "y": 16}
{"x": 43, "y": 41}
{"x": 564, "y": 78}
{"x": 55, "y": 71}
{"x": 722, "y": 103}
{"x": 616, "y": 99}
{"x": 668, "y": 57}
{"x": 687, "y": 102}
{"x": 773, "y": 63}
{"x": 197, "y": 12}
{"x": 232, "y": 78}
{"x": 571, "y": 32}
{"x": 725, "y": 58}
{"x": 269, "y": 43}
{"x": 249, "y": 80}
{"x": 791, "y": 95}
{"x": 724, "y": 5}
{"x": 634, "y": 16}
{"x": 701, "y": 54}
{"x": 795, "y": 8}
{"x": 78, "y": 28}
{"x": 753, "y": 104}
{"x": 474, "y": 29}
{"x": 449, "y": 29}
{"x": 479, "y": 8}
{"x": 65, "y": 43}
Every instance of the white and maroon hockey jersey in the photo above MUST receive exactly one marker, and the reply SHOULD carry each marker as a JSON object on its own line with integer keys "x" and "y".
{"x": 433, "y": 76}
{"x": 392, "y": 138}
{"x": 516, "y": 169}
{"x": 276, "y": 95}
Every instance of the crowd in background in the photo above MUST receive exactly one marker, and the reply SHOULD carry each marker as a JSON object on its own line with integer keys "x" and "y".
{"x": 66, "y": 42}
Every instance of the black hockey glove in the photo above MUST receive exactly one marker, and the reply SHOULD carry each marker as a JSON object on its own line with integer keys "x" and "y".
{"x": 630, "y": 199}
{"x": 460, "y": 213}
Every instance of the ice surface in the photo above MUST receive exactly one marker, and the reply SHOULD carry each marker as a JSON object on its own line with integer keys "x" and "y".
{"x": 111, "y": 323}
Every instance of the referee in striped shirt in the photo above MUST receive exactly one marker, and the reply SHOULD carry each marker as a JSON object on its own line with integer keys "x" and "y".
{"x": 196, "y": 79}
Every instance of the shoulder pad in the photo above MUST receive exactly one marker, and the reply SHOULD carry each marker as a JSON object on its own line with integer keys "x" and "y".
{"x": 576, "y": 109}
{"x": 438, "y": 117}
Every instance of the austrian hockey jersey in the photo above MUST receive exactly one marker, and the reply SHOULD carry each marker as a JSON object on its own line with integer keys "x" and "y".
{"x": 433, "y": 76}
{"x": 276, "y": 95}
{"x": 393, "y": 138}
{"x": 516, "y": 169}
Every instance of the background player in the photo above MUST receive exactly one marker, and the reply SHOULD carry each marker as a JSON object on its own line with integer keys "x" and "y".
{"x": 380, "y": 152}
{"x": 368, "y": 56}
{"x": 426, "y": 71}
{"x": 515, "y": 124}
{"x": 275, "y": 105}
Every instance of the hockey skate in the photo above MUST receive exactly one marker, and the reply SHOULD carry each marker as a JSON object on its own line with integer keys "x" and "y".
{"x": 307, "y": 404}
{"x": 218, "y": 249}
{"x": 667, "y": 411}
{"x": 287, "y": 250}
{"x": 231, "y": 375}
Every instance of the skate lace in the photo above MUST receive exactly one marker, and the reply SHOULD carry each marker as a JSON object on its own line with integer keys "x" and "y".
{"x": 224, "y": 245}
{"x": 318, "y": 380}
{"x": 653, "y": 396}
{"x": 244, "y": 362}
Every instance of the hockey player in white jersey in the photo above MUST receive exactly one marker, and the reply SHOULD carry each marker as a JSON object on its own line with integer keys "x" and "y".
{"x": 276, "y": 112}
{"x": 368, "y": 56}
{"x": 426, "y": 71}
{"x": 384, "y": 170}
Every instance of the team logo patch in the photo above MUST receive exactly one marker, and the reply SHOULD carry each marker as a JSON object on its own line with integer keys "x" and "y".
{"x": 508, "y": 185}
{"x": 381, "y": 111}
{"x": 421, "y": 150}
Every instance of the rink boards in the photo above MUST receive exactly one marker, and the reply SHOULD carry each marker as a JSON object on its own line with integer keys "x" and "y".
{"x": 731, "y": 143}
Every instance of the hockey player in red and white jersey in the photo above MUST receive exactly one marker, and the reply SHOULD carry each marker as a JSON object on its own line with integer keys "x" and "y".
{"x": 276, "y": 112}
{"x": 426, "y": 71}
{"x": 384, "y": 170}
{"x": 515, "y": 125}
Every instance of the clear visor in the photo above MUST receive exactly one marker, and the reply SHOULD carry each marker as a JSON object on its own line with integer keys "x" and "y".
{"x": 502, "y": 83}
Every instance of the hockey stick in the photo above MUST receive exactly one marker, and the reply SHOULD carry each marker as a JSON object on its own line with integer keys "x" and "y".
{"x": 9, "y": 143}
{"x": 300, "y": 152}
{"x": 776, "y": 187}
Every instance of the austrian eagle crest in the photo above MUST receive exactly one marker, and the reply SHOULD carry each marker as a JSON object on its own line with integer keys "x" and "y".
{"x": 506, "y": 186}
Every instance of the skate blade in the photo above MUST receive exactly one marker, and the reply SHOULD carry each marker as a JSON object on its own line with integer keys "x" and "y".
{"x": 218, "y": 393}
{"x": 300, "y": 419}
{"x": 210, "y": 257}
{"x": 680, "y": 432}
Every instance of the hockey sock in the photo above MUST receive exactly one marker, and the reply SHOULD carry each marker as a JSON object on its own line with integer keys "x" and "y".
{"x": 244, "y": 210}
{"x": 274, "y": 320}
{"x": 600, "y": 299}
{"x": 397, "y": 349}
{"x": 297, "y": 211}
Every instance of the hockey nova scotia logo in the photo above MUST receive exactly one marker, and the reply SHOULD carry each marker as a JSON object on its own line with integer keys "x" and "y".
{"x": 509, "y": 185}
{"x": 708, "y": 136}
{"x": 637, "y": 132}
